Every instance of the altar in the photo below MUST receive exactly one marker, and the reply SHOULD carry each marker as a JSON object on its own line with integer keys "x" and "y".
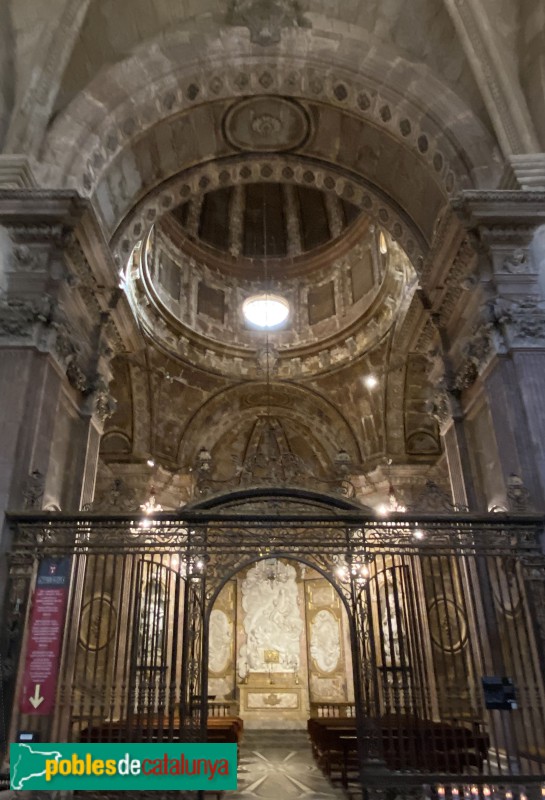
{"x": 272, "y": 671}
{"x": 273, "y": 700}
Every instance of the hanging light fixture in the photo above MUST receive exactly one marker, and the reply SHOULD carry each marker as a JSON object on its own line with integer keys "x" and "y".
{"x": 150, "y": 507}
{"x": 393, "y": 506}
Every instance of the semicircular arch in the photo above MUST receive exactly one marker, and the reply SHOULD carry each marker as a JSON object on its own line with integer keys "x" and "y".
{"x": 226, "y": 409}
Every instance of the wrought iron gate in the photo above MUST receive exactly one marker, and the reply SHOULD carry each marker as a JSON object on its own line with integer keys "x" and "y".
{"x": 435, "y": 605}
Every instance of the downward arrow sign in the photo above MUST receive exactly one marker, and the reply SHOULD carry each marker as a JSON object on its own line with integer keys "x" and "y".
{"x": 36, "y": 700}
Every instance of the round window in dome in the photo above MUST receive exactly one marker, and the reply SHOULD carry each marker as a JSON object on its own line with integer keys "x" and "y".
{"x": 266, "y": 311}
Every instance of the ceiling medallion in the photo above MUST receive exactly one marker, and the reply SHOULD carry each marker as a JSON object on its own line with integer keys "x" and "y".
{"x": 266, "y": 124}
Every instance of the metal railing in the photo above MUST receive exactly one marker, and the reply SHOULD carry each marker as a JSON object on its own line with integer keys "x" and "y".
{"x": 435, "y": 604}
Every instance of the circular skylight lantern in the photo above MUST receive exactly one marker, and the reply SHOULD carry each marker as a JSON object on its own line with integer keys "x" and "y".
{"x": 266, "y": 311}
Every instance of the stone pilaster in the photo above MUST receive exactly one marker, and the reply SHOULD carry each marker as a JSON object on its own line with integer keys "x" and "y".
{"x": 58, "y": 300}
{"x": 503, "y": 357}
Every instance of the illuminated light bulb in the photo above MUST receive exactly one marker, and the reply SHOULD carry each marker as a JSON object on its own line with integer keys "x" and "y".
{"x": 371, "y": 381}
{"x": 150, "y": 462}
{"x": 455, "y": 792}
{"x": 365, "y": 572}
{"x": 199, "y": 564}
{"x": 486, "y": 791}
{"x": 382, "y": 510}
{"x": 419, "y": 533}
{"x": 441, "y": 791}
{"x": 174, "y": 561}
{"x": 508, "y": 795}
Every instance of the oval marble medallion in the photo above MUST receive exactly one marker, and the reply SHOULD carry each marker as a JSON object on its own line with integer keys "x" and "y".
{"x": 448, "y": 627}
{"x": 325, "y": 643}
{"x": 98, "y": 623}
{"x": 266, "y": 124}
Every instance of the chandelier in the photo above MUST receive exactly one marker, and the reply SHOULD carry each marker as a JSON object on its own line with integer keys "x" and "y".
{"x": 150, "y": 507}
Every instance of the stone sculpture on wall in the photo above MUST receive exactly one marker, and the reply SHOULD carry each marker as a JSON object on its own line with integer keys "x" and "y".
{"x": 325, "y": 643}
{"x": 219, "y": 641}
{"x": 272, "y": 619}
{"x": 265, "y": 19}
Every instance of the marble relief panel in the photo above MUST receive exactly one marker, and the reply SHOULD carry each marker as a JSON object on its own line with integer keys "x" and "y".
{"x": 221, "y": 656}
{"x": 326, "y": 643}
{"x": 272, "y": 619}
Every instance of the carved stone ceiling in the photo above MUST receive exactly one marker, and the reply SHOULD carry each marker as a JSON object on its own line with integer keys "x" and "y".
{"x": 239, "y": 195}
{"x": 419, "y": 31}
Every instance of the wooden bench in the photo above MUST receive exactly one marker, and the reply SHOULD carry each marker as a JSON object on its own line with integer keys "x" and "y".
{"x": 408, "y": 743}
{"x": 334, "y": 745}
{"x": 220, "y": 730}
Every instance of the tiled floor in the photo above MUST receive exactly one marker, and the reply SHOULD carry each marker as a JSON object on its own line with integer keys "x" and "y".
{"x": 278, "y": 765}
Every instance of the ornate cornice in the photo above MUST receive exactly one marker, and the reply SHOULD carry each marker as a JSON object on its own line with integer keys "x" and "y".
{"x": 505, "y": 209}
{"x": 41, "y": 207}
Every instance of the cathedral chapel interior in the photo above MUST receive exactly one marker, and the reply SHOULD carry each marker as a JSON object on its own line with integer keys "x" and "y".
{"x": 287, "y": 260}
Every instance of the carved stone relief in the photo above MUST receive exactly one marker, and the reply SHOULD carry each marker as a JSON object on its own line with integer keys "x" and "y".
{"x": 327, "y": 662}
{"x": 279, "y": 700}
{"x": 522, "y": 320}
{"x": 325, "y": 641}
{"x": 272, "y": 619}
{"x": 266, "y": 124}
{"x": 265, "y": 19}
{"x": 516, "y": 263}
{"x": 34, "y": 491}
{"x": 220, "y": 641}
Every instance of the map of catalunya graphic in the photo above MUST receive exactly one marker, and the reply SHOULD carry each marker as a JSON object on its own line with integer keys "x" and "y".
{"x": 25, "y": 768}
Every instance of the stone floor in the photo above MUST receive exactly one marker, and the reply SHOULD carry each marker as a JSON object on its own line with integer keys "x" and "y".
{"x": 278, "y": 765}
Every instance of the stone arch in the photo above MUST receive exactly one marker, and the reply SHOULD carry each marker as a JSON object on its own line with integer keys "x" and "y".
{"x": 288, "y": 556}
{"x": 271, "y": 168}
{"x": 248, "y": 498}
{"x": 205, "y": 428}
{"x": 426, "y": 122}
{"x": 254, "y": 503}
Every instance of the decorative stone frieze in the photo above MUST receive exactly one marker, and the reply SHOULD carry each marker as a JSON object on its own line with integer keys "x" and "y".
{"x": 521, "y": 321}
{"x": 288, "y": 169}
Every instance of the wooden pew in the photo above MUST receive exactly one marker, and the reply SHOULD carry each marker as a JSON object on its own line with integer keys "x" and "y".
{"x": 408, "y": 743}
{"x": 219, "y": 730}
